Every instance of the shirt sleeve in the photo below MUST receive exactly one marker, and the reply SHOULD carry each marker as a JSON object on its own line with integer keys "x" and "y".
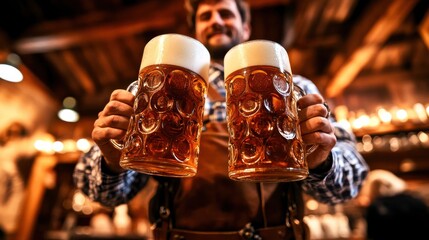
{"x": 343, "y": 179}
{"x": 110, "y": 189}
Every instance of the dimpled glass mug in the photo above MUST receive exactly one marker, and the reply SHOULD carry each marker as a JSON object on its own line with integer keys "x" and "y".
{"x": 164, "y": 131}
{"x": 265, "y": 143}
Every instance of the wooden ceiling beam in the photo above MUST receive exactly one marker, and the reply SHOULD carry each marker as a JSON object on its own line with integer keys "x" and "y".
{"x": 121, "y": 60}
{"x": 306, "y": 17}
{"x": 99, "y": 65}
{"x": 57, "y": 62}
{"x": 63, "y": 40}
{"x": 394, "y": 77}
{"x": 52, "y": 36}
{"x": 424, "y": 29}
{"x": 76, "y": 77}
{"x": 373, "y": 40}
{"x": 80, "y": 73}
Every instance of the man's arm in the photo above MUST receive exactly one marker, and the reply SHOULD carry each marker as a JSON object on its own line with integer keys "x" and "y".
{"x": 341, "y": 175}
{"x": 94, "y": 178}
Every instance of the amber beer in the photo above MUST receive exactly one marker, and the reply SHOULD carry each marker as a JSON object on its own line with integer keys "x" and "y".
{"x": 265, "y": 143}
{"x": 164, "y": 132}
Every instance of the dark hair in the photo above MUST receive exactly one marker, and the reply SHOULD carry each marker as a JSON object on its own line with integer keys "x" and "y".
{"x": 191, "y": 7}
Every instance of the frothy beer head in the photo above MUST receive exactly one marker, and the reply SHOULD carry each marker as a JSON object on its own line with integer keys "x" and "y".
{"x": 256, "y": 53}
{"x": 178, "y": 50}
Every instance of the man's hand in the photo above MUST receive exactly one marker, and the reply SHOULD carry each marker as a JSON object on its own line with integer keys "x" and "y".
{"x": 112, "y": 123}
{"x": 316, "y": 129}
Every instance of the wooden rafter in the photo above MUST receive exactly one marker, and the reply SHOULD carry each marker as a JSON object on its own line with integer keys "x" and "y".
{"x": 130, "y": 23}
{"x": 372, "y": 42}
{"x": 424, "y": 29}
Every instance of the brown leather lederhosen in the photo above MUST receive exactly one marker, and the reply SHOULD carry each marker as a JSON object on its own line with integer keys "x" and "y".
{"x": 210, "y": 206}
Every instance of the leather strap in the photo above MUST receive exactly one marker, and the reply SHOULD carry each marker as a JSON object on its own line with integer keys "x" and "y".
{"x": 269, "y": 233}
{"x": 213, "y": 94}
{"x": 163, "y": 201}
{"x": 295, "y": 213}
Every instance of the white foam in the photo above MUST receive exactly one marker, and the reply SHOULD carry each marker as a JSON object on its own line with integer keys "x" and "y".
{"x": 179, "y": 50}
{"x": 256, "y": 52}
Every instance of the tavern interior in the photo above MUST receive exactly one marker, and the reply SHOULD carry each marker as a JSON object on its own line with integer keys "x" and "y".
{"x": 366, "y": 57}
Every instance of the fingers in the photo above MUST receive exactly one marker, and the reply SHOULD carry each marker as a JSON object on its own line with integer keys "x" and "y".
{"x": 328, "y": 110}
{"x": 111, "y": 127}
{"x": 325, "y": 140}
{"x": 122, "y": 96}
{"x": 312, "y": 105}
{"x": 315, "y": 126}
{"x": 103, "y": 136}
{"x": 309, "y": 99}
{"x": 316, "y": 129}
{"x": 113, "y": 120}
{"x": 120, "y": 103}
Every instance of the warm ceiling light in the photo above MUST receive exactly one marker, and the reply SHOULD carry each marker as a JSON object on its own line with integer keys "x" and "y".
{"x": 9, "y": 69}
{"x": 401, "y": 115}
{"x": 10, "y": 73}
{"x": 384, "y": 115}
{"x": 68, "y": 115}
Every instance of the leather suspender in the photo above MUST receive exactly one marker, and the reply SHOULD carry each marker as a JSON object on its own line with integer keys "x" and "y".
{"x": 214, "y": 95}
{"x": 295, "y": 211}
{"x": 165, "y": 223}
{"x": 163, "y": 202}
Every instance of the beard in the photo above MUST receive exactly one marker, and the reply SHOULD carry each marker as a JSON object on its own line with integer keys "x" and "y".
{"x": 218, "y": 52}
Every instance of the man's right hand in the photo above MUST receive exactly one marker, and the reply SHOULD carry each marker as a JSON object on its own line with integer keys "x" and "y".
{"x": 112, "y": 123}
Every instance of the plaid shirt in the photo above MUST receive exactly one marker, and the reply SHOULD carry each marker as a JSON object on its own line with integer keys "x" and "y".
{"x": 335, "y": 185}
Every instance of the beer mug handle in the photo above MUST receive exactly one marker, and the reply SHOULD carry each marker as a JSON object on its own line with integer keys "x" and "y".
{"x": 298, "y": 92}
{"x": 132, "y": 88}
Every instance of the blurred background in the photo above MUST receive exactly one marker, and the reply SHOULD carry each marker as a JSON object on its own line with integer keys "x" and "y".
{"x": 60, "y": 60}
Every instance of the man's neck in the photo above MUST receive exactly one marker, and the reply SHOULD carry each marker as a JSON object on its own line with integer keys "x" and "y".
{"x": 218, "y": 61}
{"x": 217, "y": 65}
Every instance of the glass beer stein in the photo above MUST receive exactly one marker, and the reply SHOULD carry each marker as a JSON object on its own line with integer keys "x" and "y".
{"x": 164, "y": 131}
{"x": 265, "y": 143}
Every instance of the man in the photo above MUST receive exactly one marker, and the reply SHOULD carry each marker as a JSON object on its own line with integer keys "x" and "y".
{"x": 210, "y": 205}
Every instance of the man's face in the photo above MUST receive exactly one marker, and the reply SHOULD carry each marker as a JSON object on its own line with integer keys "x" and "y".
{"x": 218, "y": 25}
